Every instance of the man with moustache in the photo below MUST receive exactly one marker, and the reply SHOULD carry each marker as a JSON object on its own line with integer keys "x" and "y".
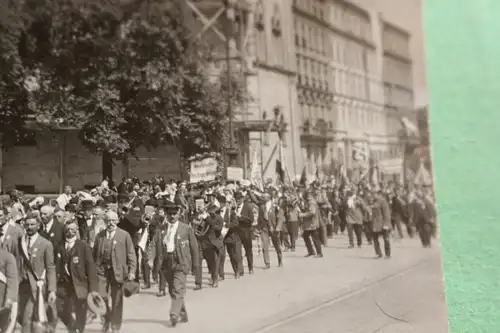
{"x": 52, "y": 225}
{"x": 37, "y": 270}
{"x": 176, "y": 252}
{"x": 231, "y": 239}
{"x": 245, "y": 216}
{"x": 11, "y": 232}
{"x": 116, "y": 263}
{"x": 77, "y": 278}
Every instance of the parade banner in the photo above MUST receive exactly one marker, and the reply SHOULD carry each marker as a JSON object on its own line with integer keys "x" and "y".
{"x": 204, "y": 170}
{"x": 235, "y": 174}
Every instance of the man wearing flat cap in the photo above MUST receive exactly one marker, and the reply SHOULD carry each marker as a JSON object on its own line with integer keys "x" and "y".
{"x": 175, "y": 251}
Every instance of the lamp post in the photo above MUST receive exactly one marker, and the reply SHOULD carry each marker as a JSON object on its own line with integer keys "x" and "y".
{"x": 230, "y": 43}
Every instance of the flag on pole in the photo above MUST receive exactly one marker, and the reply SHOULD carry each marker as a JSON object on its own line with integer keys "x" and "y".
{"x": 410, "y": 128}
{"x": 303, "y": 177}
{"x": 280, "y": 172}
{"x": 255, "y": 174}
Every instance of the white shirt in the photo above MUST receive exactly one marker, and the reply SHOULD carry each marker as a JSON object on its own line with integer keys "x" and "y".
{"x": 223, "y": 211}
{"x": 169, "y": 240}
{"x": 110, "y": 234}
{"x": 63, "y": 200}
{"x": 32, "y": 240}
{"x": 70, "y": 242}
{"x": 89, "y": 220}
{"x": 48, "y": 226}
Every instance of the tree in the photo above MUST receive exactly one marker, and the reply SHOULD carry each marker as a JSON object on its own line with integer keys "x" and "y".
{"x": 124, "y": 73}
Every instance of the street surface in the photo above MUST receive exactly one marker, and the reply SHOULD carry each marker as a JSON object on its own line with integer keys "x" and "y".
{"x": 346, "y": 291}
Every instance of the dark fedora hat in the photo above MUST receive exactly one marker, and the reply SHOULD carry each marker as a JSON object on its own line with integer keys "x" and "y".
{"x": 171, "y": 206}
{"x": 130, "y": 288}
{"x": 96, "y": 304}
{"x": 87, "y": 204}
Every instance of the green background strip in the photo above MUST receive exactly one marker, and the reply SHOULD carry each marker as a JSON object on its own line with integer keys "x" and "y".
{"x": 462, "y": 41}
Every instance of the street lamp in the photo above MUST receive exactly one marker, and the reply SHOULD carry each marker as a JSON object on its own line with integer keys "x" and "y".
{"x": 230, "y": 43}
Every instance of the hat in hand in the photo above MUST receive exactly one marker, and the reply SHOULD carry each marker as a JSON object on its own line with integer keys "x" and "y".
{"x": 96, "y": 304}
{"x": 130, "y": 288}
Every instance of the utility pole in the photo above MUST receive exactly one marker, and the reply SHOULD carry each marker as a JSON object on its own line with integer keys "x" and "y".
{"x": 230, "y": 44}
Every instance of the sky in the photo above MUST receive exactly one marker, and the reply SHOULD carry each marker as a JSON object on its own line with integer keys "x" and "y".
{"x": 407, "y": 14}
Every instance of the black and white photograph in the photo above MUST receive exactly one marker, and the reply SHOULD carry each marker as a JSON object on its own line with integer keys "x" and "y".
{"x": 217, "y": 166}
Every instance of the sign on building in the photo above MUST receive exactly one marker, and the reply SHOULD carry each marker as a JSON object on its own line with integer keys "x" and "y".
{"x": 204, "y": 170}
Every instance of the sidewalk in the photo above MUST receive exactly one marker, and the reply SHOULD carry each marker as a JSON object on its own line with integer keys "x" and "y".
{"x": 262, "y": 299}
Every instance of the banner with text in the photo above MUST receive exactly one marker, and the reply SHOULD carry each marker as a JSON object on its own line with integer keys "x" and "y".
{"x": 235, "y": 174}
{"x": 204, "y": 170}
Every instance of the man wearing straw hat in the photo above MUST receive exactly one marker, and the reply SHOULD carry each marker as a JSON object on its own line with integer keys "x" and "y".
{"x": 175, "y": 251}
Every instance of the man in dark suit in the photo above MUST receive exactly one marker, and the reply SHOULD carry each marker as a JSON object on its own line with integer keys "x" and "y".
{"x": 52, "y": 225}
{"x": 11, "y": 232}
{"x": 175, "y": 251}
{"x": 231, "y": 239}
{"x": 37, "y": 270}
{"x": 77, "y": 278}
{"x": 245, "y": 216}
{"x": 381, "y": 219}
{"x": 210, "y": 246}
{"x": 116, "y": 262}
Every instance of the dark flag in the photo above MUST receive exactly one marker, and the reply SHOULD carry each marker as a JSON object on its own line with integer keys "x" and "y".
{"x": 303, "y": 177}
{"x": 280, "y": 172}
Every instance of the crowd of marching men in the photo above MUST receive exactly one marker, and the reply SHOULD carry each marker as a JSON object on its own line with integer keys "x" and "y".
{"x": 76, "y": 257}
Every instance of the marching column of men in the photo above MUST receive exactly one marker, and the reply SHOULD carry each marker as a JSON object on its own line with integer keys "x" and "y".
{"x": 84, "y": 259}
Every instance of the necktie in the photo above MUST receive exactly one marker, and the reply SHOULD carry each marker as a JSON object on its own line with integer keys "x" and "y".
{"x": 28, "y": 244}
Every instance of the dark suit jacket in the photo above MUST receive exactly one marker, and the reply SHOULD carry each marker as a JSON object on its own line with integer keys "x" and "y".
{"x": 213, "y": 236}
{"x": 9, "y": 282}
{"x": 41, "y": 260}
{"x": 55, "y": 234}
{"x": 80, "y": 265}
{"x": 124, "y": 260}
{"x": 84, "y": 229}
{"x": 186, "y": 248}
{"x": 11, "y": 238}
{"x": 246, "y": 219}
{"x": 231, "y": 221}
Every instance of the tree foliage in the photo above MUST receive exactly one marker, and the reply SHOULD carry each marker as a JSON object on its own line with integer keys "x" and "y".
{"x": 124, "y": 73}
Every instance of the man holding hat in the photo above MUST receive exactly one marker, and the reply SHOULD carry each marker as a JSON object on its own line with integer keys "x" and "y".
{"x": 116, "y": 263}
{"x": 77, "y": 279}
{"x": 175, "y": 252}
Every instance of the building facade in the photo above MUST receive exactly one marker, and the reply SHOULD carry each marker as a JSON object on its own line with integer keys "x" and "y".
{"x": 334, "y": 72}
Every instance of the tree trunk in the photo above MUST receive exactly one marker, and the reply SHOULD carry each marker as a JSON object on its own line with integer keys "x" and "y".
{"x": 107, "y": 166}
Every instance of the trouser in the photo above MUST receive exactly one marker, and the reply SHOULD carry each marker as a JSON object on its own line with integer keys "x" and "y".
{"x": 290, "y": 234}
{"x": 211, "y": 255}
{"x": 234, "y": 252}
{"x": 322, "y": 232}
{"x": 145, "y": 268}
{"x": 425, "y": 233}
{"x": 27, "y": 310}
{"x": 266, "y": 237}
{"x": 368, "y": 230}
{"x": 176, "y": 280}
{"x": 355, "y": 229}
{"x": 71, "y": 310}
{"x": 246, "y": 237}
{"x": 112, "y": 290}
{"x": 312, "y": 237}
{"x": 387, "y": 242}
{"x": 397, "y": 224}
